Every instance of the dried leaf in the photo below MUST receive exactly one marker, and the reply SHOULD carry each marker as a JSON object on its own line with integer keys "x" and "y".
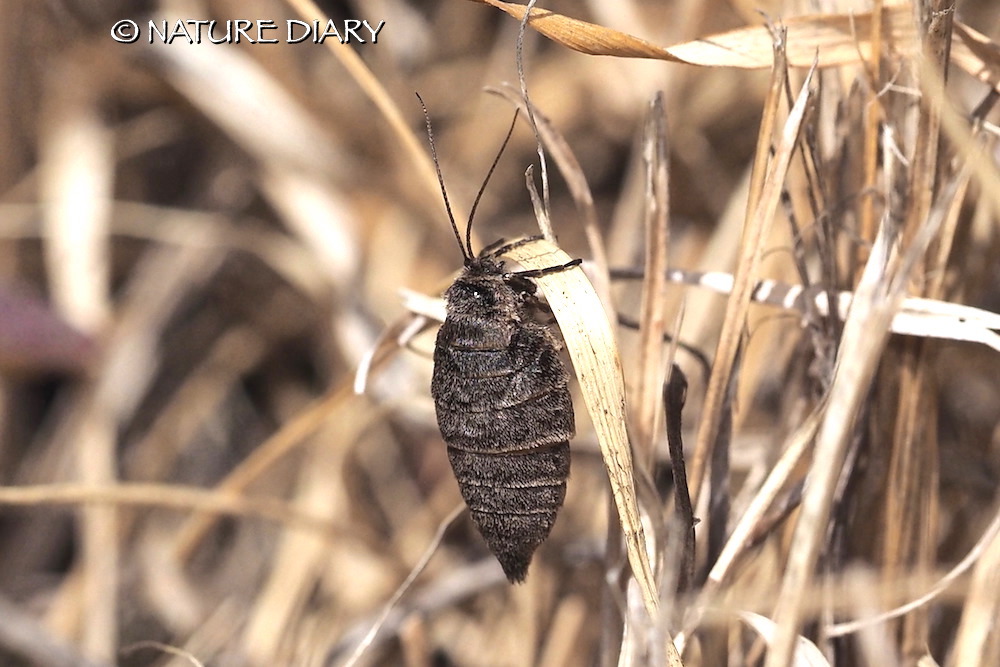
{"x": 827, "y": 39}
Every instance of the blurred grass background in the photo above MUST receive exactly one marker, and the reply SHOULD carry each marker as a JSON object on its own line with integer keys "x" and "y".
{"x": 199, "y": 244}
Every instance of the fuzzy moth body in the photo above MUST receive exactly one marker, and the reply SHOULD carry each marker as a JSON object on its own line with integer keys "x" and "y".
{"x": 503, "y": 405}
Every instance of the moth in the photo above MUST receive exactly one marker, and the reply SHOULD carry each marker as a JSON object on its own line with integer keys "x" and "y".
{"x": 501, "y": 394}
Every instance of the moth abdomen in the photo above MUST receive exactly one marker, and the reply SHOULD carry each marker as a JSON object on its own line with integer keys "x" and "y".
{"x": 480, "y": 337}
{"x": 518, "y": 389}
{"x": 513, "y": 499}
{"x": 514, "y": 430}
{"x": 544, "y": 495}
{"x": 513, "y": 538}
{"x": 545, "y": 466}
{"x": 524, "y": 350}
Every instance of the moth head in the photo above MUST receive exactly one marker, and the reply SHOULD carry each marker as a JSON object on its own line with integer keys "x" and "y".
{"x": 481, "y": 293}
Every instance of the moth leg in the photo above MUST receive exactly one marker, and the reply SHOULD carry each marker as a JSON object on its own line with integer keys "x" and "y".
{"x": 541, "y": 311}
{"x": 520, "y": 284}
{"x": 535, "y": 273}
{"x": 490, "y": 250}
{"x": 500, "y": 247}
{"x": 519, "y": 281}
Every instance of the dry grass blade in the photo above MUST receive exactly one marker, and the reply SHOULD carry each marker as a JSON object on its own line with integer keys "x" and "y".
{"x": 373, "y": 631}
{"x": 977, "y": 642}
{"x": 866, "y": 330}
{"x": 166, "y": 496}
{"x": 827, "y": 39}
{"x": 163, "y": 648}
{"x": 591, "y": 344}
{"x": 421, "y": 305}
{"x": 300, "y": 556}
{"x": 752, "y": 236}
{"x": 979, "y": 554}
{"x": 917, "y": 316}
{"x": 567, "y": 627}
{"x": 582, "y": 36}
{"x": 807, "y": 654}
{"x": 377, "y": 93}
{"x": 955, "y": 126}
{"x": 946, "y": 325}
{"x": 910, "y": 519}
{"x": 652, "y": 313}
{"x": 757, "y": 228}
{"x": 77, "y": 173}
{"x": 292, "y": 435}
{"x": 873, "y": 119}
{"x": 396, "y": 335}
{"x": 78, "y": 185}
{"x": 980, "y": 56}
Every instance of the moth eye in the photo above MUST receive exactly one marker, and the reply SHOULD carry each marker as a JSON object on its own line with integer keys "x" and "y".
{"x": 482, "y": 295}
{"x": 485, "y": 297}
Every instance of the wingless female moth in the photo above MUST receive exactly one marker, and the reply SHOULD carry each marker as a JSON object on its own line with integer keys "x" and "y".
{"x": 501, "y": 394}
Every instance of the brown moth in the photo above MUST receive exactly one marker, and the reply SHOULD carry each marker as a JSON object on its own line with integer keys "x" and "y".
{"x": 501, "y": 394}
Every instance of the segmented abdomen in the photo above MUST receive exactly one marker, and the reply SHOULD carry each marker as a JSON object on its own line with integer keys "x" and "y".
{"x": 507, "y": 417}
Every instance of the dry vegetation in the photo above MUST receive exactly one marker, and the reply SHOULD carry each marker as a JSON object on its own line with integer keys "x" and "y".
{"x": 200, "y": 245}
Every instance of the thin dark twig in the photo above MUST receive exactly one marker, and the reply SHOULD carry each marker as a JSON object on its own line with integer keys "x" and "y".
{"x": 674, "y": 396}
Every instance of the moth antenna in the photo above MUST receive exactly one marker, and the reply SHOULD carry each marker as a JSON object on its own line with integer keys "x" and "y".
{"x": 482, "y": 189}
{"x": 466, "y": 253}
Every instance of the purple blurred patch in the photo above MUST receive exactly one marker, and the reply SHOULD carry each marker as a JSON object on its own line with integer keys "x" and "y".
{"x": 35, "y": 341}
